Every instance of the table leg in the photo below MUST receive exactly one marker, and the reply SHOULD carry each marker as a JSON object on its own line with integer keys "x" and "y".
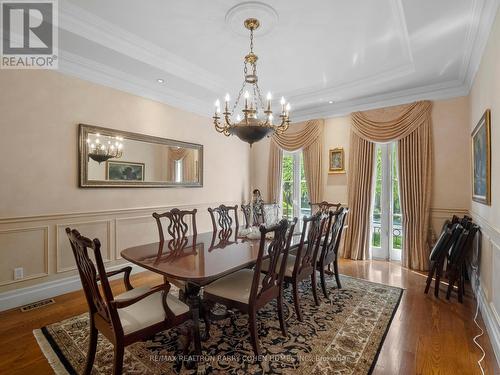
{"x": 194, "y": 302}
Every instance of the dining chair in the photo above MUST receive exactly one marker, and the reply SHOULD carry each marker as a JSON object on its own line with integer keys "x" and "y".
{"x": 178, "y": 229}
{"x": 302, "y": 265}
{"x": 249, "y": 290}
{"x": 324, "y": 207}
{"x": 132, "y": 316}
{"x": 455, "y": 268}
{"x": 221, "y": 216}
{"x": 330, "y": 247}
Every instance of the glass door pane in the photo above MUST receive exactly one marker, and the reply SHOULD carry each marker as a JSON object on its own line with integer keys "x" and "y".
{"x": 305, "y": 209}
{"x": 287, "y": 186}
{"x": 294, "y": 193}
{"x": 377, "y": 208}
{"x": 397, "y": 217}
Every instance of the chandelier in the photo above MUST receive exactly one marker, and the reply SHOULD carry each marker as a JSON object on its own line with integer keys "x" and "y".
{"x": 100, "y": 150}
{"x": 256, "y": 120}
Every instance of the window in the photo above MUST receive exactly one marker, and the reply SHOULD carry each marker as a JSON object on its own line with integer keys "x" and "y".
{"x": 294, "y": 194}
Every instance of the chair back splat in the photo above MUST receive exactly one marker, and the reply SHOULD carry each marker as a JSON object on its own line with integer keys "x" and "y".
{"x": 177, "y": 226}
{"x": 308, "y": 251}
{"x": 221, "y": 216}
{"x": 324, "y": 207}
{"x": 277, "y": 251}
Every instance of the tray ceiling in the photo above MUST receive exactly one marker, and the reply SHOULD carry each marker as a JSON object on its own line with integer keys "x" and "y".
{"x": 357, "y": 54}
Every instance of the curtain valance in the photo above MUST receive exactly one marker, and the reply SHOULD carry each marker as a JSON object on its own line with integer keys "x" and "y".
{"x": 308, "y": 133}
{"x": 392, "y": 123}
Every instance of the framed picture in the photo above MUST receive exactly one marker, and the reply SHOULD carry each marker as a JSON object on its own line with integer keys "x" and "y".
{"x": 481, "y": 160}
{"x": 336, "y": 161}
{"x": 124, "y": 171}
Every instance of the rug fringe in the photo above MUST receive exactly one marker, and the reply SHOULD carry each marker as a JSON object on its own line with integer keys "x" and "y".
{"x": 49, "y": 353}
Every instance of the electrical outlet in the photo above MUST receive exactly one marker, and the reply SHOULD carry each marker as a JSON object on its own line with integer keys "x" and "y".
{"x": 18, "y": 273}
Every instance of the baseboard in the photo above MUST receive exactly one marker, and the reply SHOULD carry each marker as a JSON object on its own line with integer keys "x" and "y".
{"x": 491, "y": 321}
{"x": 22, "y": 296}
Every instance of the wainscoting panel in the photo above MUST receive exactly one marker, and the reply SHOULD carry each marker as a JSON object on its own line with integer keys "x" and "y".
{"x": 27, "y": 248}
{"x": 100, "y": 229}
{"x": 39, "y": 244}
{"x": 488, "y": 289}
{"x": 134, "y": 231}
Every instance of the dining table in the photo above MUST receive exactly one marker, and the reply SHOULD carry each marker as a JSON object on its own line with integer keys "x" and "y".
{"x": 198, "y": 260}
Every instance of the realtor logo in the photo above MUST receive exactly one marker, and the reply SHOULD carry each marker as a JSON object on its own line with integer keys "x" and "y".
{"x": 29, "y": 34}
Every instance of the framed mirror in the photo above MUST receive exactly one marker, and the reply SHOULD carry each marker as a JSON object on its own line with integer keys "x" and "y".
{"x": 115, "y": 158}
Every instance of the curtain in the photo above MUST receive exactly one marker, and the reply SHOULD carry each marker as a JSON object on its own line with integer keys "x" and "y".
{"x": 415, "y": 163}
{"x": 359, "y": 195}
{"x": 275, "y": 172}
{"x": 410, "y": 125}
{"x": 309, "y": 138}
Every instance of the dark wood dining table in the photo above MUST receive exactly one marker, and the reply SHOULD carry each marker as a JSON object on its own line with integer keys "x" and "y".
{"x": 198, "y": 260}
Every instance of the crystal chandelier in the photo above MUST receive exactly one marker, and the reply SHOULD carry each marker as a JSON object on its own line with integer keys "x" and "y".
{"x": 100, "y": 150}
{"x": 256, "y": 121}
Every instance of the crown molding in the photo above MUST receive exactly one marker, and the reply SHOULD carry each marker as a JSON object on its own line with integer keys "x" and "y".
{"x": 80, "y": 22}
{"x": 484, "y": 14}
{"x": 443, "y": 90}
{"x": 90, "y": 70}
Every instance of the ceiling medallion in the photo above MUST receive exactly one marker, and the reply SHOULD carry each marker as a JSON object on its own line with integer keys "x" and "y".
{"x": 256, "y": 121}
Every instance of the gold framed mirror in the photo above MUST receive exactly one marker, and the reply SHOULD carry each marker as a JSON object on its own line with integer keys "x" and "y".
{"x": 116, "y": 158}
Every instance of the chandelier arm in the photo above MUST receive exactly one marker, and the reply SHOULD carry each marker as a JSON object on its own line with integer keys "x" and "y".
{"x": 227, "y": 118}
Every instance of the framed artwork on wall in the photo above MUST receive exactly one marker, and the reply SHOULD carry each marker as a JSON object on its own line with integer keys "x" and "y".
{"x": 481, "y": 160}
{"x": 336, "y": 161}
{"x": 124, "y": 171}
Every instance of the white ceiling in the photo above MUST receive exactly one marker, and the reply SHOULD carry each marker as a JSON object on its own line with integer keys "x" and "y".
{"x": 359, "y": 53}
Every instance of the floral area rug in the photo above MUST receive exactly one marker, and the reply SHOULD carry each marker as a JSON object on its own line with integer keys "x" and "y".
{"x": 341, "y": 336}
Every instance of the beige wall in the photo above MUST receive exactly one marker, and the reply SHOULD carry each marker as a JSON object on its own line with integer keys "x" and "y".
{"x": 451, "y": 178}
{"x": 39, "y": 194}
{"x": 485, "y": 94}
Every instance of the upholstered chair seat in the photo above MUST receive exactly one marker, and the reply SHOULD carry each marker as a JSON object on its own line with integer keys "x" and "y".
{"x": 235, "y": 286}
{"x": 147, "y": 311}
{"x": 290, "y": 263}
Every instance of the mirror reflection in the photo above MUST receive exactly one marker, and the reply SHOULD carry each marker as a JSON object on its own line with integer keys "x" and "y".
{"x": 112, "y": 158}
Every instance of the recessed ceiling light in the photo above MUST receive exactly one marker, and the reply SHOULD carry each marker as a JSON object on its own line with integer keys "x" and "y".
{"x": 330, "y": 102}
{"x": 160, "y": 81}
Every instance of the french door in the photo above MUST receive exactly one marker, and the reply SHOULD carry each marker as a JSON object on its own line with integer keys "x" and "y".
{"x": 386, "y": 224}
{"x": 294, "y": 194}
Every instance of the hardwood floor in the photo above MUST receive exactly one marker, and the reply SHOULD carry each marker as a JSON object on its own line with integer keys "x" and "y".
{"x": 427, "y": 335}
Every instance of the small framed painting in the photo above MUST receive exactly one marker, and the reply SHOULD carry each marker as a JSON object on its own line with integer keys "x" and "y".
{"x": 336, "y": 161}
{"x": 481, "y": 160}
{"x": 124, "y": 171}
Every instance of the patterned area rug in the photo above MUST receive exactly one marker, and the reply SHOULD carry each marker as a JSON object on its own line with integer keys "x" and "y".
{"x": 342, "y": 336}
